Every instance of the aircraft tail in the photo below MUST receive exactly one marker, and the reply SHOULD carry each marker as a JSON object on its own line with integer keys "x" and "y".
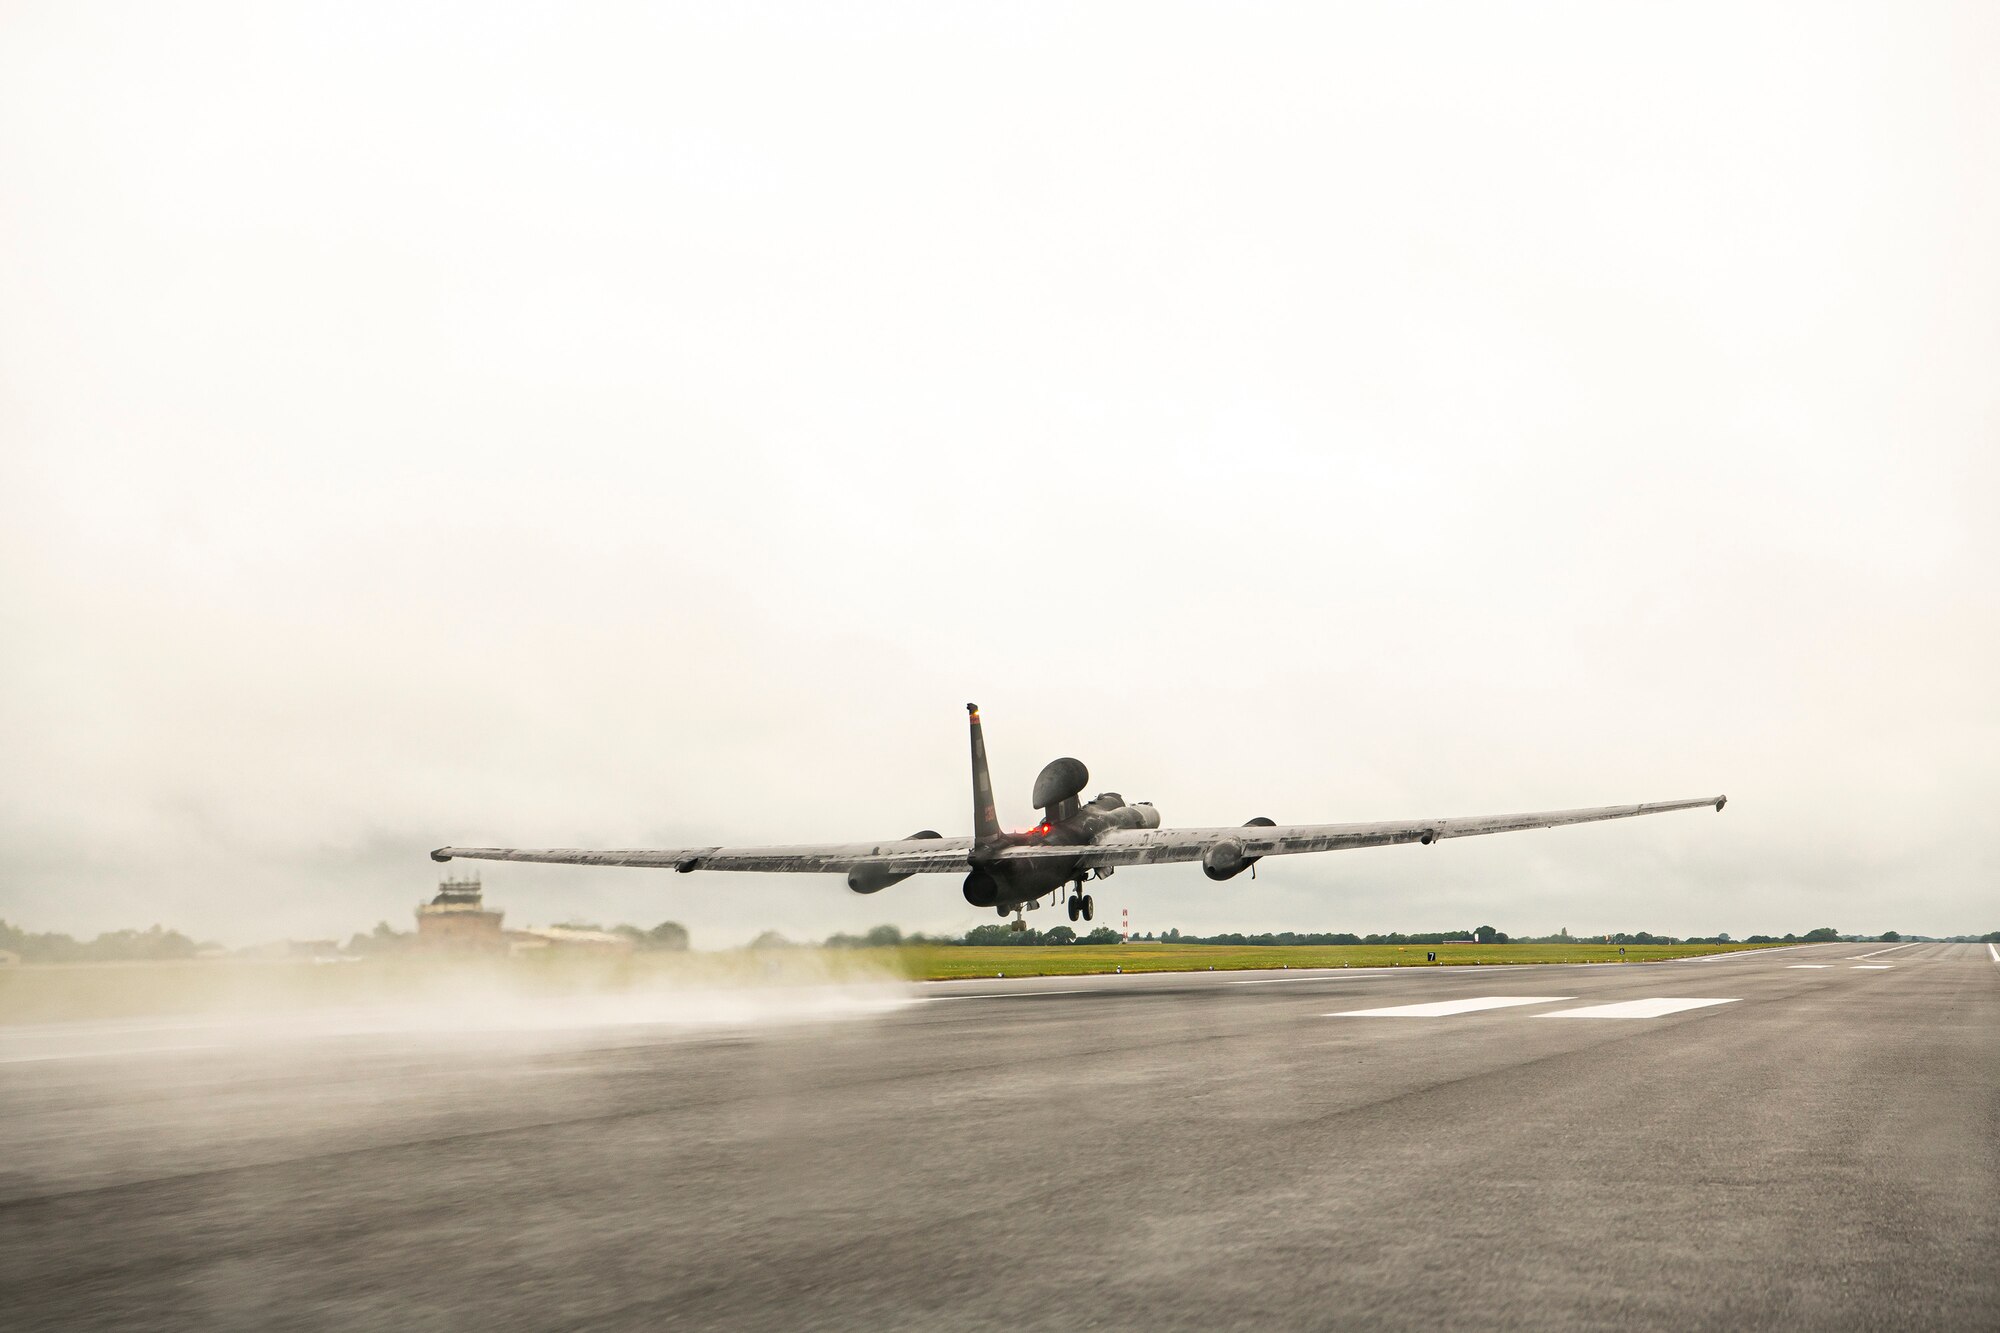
{"x": 985, "y": 824}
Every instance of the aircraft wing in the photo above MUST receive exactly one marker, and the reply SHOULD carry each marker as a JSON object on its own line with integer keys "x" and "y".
{"x": 1123, "y": 847}
{"x": 896, "y": 855}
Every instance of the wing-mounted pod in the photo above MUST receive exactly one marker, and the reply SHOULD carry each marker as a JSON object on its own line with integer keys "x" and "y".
{"x": 869, "y": 879}
{"x": 1112, "y": 809}
{"x": 1058, "y": 786}
{"x": 1229, "y": 858}
{"x": 1139, "y": 814}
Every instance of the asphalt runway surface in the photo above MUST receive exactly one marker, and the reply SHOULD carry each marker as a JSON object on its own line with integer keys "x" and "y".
{"x": 1172, "y": 1151}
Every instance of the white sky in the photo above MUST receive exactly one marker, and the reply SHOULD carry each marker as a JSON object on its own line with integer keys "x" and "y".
{"x": 646, "y": 425}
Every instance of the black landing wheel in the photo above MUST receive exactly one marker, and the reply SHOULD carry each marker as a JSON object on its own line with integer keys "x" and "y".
{"x": 1089, "y": 908}
{"x": 1075, "y": 907}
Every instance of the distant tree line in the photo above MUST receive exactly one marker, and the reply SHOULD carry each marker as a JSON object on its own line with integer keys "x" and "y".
{"x": 1484, "y": 935}
{"x": 890, "y": 936}
{"x": 884, "y": 937}
{"x": 667, "y": 937}
{"x": 999, "y": 934}
{"x": 113, "y": 946}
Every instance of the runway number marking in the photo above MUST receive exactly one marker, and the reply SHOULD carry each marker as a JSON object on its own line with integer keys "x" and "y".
{"x": 1446, "y": 1008}
{"x": 1635, "y": 1009}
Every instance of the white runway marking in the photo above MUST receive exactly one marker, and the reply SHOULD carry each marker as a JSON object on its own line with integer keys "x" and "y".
{"x": 1994, "y": 949}
{"x": 1891, "y": 949}
{"x": 1871, "y": 967}
{"x": 1813, "y": 966}
{"x": 1445, "y": 1008}
{"x": 1634, "y": 1009}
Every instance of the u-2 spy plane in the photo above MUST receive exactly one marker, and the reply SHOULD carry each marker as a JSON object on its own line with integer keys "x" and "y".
{"x": 1075, "y": 843}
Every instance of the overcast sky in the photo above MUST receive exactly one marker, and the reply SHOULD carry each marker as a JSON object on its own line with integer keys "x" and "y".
{"x": 649, "y": 425}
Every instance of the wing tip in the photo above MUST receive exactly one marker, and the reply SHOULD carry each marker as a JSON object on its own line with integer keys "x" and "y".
{"x": 442, "y": 854}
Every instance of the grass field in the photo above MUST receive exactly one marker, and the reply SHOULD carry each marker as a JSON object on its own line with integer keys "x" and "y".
{"x": 87, "y": 991}
{"x": 936, "y": 964}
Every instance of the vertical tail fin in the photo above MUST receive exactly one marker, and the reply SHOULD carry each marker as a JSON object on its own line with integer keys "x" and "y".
{"x": 985, "y": 824}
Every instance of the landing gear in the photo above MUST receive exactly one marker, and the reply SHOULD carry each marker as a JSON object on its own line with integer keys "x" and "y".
{"x": 1089, "y": 908}
{"x": 1082, "y": 905}
{"x": 1075, "y": 907}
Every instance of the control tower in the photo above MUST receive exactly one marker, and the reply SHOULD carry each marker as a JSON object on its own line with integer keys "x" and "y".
{"x": 458, "y": 919}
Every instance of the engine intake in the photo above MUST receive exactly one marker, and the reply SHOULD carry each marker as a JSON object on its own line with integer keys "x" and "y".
{"x": 1229, "y": 858}
{"x": 1226, "y": 860}
{"x": 873, "y": 877}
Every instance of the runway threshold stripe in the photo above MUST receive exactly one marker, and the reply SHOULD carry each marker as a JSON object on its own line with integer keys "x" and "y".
{"x": 1657, "y": 1008}
{"x": 1446, "y": 1008}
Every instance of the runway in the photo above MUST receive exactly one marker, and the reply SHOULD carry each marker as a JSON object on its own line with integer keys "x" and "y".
{"x": 1799, "y": 1138}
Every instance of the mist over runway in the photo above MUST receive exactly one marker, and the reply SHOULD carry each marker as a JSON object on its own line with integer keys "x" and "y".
{"x": 1805, "y": 1137}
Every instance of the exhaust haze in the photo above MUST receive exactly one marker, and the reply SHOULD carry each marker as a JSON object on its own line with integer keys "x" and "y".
{"x": 456, "y": 1005}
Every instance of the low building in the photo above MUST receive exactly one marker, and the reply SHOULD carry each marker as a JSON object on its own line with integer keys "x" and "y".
{"x": 569, "y": 939}
{"x": 458, "y": 919}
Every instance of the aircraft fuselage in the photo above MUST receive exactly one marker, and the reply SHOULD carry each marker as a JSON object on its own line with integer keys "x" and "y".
{"x": 997, "y": 883}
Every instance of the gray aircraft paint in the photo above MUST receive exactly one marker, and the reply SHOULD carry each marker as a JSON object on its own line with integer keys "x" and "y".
{"x": 1073, "y": 843}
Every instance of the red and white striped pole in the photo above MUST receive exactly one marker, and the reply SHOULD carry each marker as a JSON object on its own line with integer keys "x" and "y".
{"x": 1124, "y": 924}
